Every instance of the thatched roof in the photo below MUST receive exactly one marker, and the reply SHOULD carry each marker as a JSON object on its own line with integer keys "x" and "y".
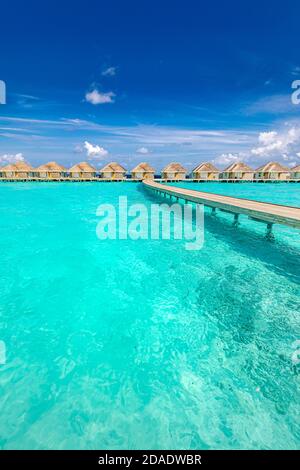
{"x": 273, "y": 166}
{"x": 113, "y": 167}
{"x": 296, "y": 168}
{"x": 206, "y": 166}
{"x": 174, "y": 166}
{"x": 41, "y": 168}
{"x": 9, "y": 167}
{"x": 82, "y": 167}
{"x": 17, "y": 167}
{"x": 50, "y": 166}
{"x": 145, "y": 167}
{"x": 22, "y": 166}
{"x": 237, "y": 167}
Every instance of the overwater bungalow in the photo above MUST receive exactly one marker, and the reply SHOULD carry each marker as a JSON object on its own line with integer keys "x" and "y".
{"x": 205, "y": 171}
{"x": 142, "y": 171}
{"x": 295, "y": 173}
{"x": 174, "y": 171}
{"x": 23, "y": 170}
{"x": 272, "y": 171}
{"x": 8, "y": 171}
{"x": 237, "y": 171}
{"x": 50, "y": 170}
{"x": 113, "y": 171}
{"x": 82, "y": 170}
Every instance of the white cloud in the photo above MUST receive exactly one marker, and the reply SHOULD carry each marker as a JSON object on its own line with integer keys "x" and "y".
{"x": 95, "y": 151}
{"x": 228, "y": 158}
{"x": 109, "y": 72}
{"x": 267, "y": 138}
{"x": 95, "y": 97}
{"x": 142, "y": 150}
{"x": 10, "y": 158}
{"x": 267, "y": 150}
{"x": 143, "y": 135}
{"x": 282, "y": 144}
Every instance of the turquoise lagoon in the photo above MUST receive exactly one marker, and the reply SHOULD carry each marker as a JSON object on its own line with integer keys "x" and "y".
{"x": 142, "y": 344}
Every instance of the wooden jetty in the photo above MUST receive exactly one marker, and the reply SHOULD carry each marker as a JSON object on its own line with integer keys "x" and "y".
{"x": 256, "y": 210}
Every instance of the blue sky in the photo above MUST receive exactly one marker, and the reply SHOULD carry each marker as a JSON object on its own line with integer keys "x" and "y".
{"x": 157, "y": 81}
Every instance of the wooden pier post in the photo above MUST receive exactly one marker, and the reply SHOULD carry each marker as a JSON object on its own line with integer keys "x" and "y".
{"x": 269, "y": 232}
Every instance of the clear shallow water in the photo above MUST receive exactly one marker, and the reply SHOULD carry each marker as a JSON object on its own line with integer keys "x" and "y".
{"x": 123, "y": 344}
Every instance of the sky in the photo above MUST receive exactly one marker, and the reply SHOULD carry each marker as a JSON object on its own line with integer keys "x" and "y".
{"x": 155, "y": 81}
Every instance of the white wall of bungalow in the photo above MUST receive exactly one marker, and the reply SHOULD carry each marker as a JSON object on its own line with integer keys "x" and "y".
{"x": 272, "y": 171}
{"x": 142, "y": 171}
{"x": 174, "y": 171}
{"x": 205, "y": 171}
{"x": 295, "y": 173}
{"x": 237, "y": 171}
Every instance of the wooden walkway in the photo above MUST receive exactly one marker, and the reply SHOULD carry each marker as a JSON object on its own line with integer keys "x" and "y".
{"x": 260, "y": 211}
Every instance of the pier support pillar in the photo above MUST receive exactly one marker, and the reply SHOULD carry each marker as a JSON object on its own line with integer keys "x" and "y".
{"x": 269, "y": 232}
{"x": 236, "y": 220}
